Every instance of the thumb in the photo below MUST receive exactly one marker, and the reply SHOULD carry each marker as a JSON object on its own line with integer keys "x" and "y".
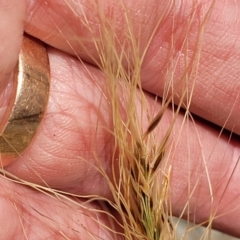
{"x": 12, "y": 14}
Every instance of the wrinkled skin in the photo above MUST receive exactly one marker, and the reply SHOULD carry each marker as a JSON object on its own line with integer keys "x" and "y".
{"x": 63, "y": 147}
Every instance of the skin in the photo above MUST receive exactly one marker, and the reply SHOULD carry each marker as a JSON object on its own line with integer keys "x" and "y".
{"x": 63, "y": 148}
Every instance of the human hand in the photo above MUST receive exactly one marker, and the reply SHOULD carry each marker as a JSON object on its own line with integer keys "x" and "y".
{"x": 62, "y": 154}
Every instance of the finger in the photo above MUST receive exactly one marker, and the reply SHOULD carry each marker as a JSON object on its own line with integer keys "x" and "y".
{"x": 68, "y": 144}
{"x": 75, "y": 139}
{"x": 29, "y": 213}
{"x": 177, "y": 40}
{"x": 205, "y": 174}
{"x": 11, "y": 28}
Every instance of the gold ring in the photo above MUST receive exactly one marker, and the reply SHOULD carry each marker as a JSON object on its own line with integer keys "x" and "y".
{"x": 29, "y": 99}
